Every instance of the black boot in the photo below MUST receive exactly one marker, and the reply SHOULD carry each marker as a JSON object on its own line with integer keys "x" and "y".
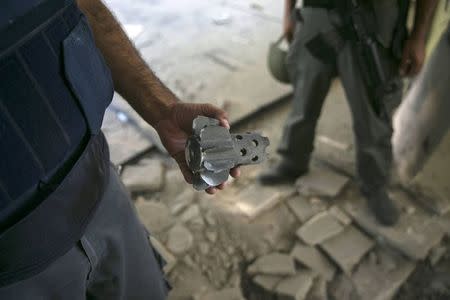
{"x": 282, "y": 172}
{"x": 382, "y": 207}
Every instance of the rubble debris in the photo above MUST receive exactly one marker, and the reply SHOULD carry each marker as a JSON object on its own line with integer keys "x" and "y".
{"x": 319, "y": 228}
{"x": 343, "y": 288}
{"x": 273, "y": 264}
{"x": 190, "y": 213}
{"x": 170, "y": 260}
{"x": 267, "y": 282}
{"x": 225, "y": 294}
{"x": 255, "y": 199}
{"x": 318, "y": 290}
{"x": 311, "y": 258}
{"x": 348, "y": 248}
{"x": 125, "y": 140}
{"x": 147, "y": 176}
{"x": 302, "y": 208}
{"x": 179, "y": 239}
{"x": 436, "y": 254}
{"x": 211, "y": 236}
{"x": 431, "y": 199}
{"x": 414, "y": 235}
{"x": 155, "y": 216}
{"x": 387, "y": 281}
{"x": 340, "y": 215}
{"x": 295, "y": 287}
{"x": 321, "y": 182}
{"x": 182, "y": 201}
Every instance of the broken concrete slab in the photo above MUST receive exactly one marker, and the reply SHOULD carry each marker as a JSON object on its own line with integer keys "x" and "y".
{"x": 387, "y": 281}
{"x": 321, "y": 182}
{"x": 267, "y": 282}
{"x": 273, "y": 264}
{"x": 302, "y": 208}
{"x": 255, "y": 199}
{"x": 342, "y": 287}
{"x": 295, "y": 287}
{"x": 179, "y": 239}
{"x": 340, "y": 215}
{"x": 191, "y": 213}
{"x": 146, "y": 176}
{"x": 125, "y": 141}
{"x": 436, "y": 254}
{"x": 225, "y": 294}
{"x": 155, "y": 216}
{"x": 170, "y": 260}
{"x": 312, "y": 258}
{"x": 318, "y": 290}
{"x": 348, "y": 248}
{"x": 319, "y": 228}
{"x": 182, "y": 201}
{"x": 211, "y": 236}
{"x": 432, "y": 199}
{"x": 415, "y": 233}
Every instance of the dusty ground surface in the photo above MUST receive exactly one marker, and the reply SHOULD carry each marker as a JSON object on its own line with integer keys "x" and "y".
{"x": 312, "y": 240}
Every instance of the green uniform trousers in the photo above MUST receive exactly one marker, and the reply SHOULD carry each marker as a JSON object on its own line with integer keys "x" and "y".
{"x": 312, "y": 79}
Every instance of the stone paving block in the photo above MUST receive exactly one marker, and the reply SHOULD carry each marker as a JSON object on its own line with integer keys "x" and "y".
{"x": 225, "y": 294}
{"x": 273, "y": 264}
{"x": 295, "y": 287}
{"x": 436, "y": 254}
{"x": 267, "y": 282}
{"x": 171, "y": 260}
{"x": 311, "y": 257}
{"x": 179, "y": 239}
{"x": 190, "y": 213}
{"x": 146, "y": 176}
{"x": 321, "y": 182}
{"x": 125, "y": 141}
{"x": 340, "y": 215}
{"x": 154, "y": 215}
{"x": 302, "y": 208}
{"x": 319, "y": 228}
{"x": 415, "y": 233}
{"x": 318, "y": 290}
{"x": 375, "y": 282}
{"x": 182, "y": 201}
{"x": 255, "y": 199}
{"x": 432, "y": 199}
{"x": 348, "y": 248}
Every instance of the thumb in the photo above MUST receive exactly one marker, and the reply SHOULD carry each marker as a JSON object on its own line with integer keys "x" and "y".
{"x": 405, "y": 63}
{"x": 181, "y": 161}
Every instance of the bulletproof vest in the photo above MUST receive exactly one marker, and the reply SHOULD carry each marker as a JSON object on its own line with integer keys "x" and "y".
{"x": 54, "y": 89}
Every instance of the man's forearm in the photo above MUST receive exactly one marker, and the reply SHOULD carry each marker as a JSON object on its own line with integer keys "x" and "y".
{"x": 132, "y": 77}
{"x": 423, "y": 16}
{"x": 288, "y": 7}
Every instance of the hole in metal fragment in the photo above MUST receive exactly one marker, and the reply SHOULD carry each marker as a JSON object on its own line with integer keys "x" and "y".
{"x": 239, "y": 137}
{"x": 243, "y": 152}
{"x": 255, "y": 143}
{"x": 255, "y": 158}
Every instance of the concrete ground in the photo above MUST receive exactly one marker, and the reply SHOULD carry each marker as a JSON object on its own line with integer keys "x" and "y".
{"x": 311, "y": 240}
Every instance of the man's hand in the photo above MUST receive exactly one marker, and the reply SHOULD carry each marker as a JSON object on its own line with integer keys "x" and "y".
{"x": 288, "y": 28}
{"x": 413, "y": 56}
{"x": 414, "y": 50}
{"x": 176, "y": 127}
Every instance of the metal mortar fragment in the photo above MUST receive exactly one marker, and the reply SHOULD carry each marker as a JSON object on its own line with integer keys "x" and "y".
{"x": 212, "y": 151}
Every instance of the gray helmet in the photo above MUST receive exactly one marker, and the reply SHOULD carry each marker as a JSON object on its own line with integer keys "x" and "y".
{"x": 276, "y": 61}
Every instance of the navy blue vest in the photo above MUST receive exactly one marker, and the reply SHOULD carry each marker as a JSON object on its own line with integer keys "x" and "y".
{"x": 54, "y": 88}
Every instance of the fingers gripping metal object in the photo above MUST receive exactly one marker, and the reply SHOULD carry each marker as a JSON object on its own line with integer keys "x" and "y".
{"x": 212, "y": 151}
